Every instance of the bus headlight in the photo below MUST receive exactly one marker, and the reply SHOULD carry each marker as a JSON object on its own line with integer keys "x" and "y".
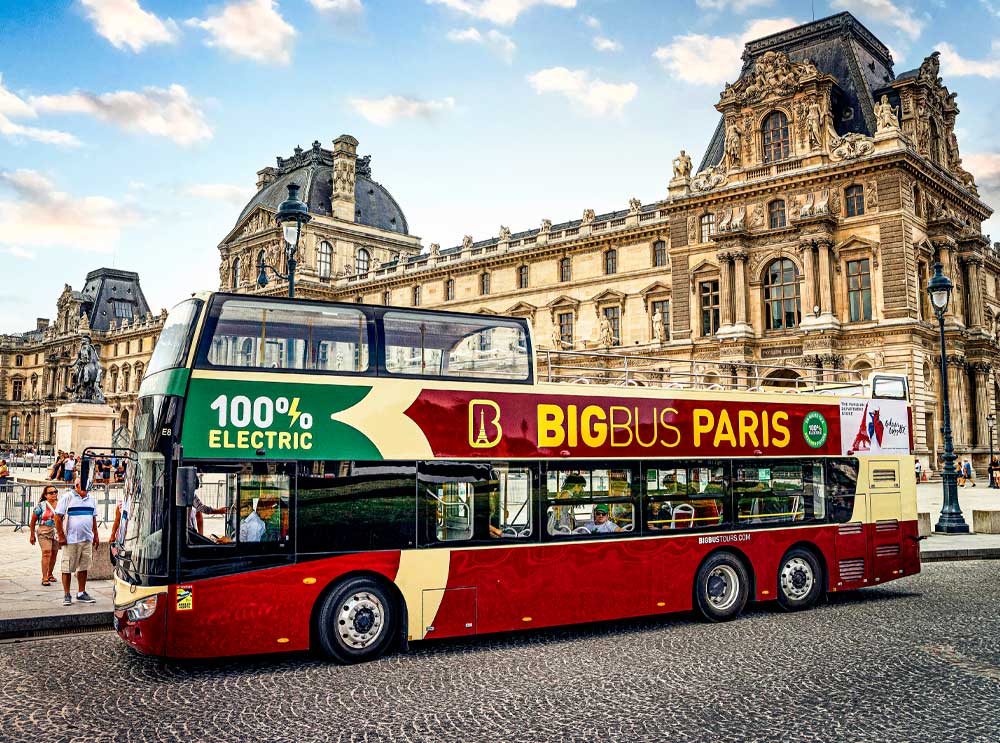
{"x": 141, "y": 609}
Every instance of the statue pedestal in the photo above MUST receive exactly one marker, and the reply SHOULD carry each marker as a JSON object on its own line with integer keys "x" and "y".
{"x": 679, "y": 186}
{"x": 83, "y": 424}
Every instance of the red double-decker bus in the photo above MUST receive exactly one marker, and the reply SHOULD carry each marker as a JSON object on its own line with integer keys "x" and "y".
{"x": 352, "y": 478}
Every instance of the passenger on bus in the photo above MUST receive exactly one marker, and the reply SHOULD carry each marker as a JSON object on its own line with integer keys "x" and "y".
{"x": 254, "y": 527}
{"x": 561, "y": 517}
{"x": 601, "y": 523}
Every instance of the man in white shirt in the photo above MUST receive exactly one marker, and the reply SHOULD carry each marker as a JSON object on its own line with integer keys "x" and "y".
{"x": 76, "y": 527}
{"x": 601, "y": 523}
{"x": 69, "y": 467}
{"x": 254, "y": 527}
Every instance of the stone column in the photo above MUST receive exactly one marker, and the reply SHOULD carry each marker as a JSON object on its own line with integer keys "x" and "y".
{"x": 982, "y": 407}
{"x": 975, "y": 318}
{"x": 957, "y": 391}
{"x": 741, "y": 323}
{"x": 825, "y": 282}
{"x": 809, "y": 266}
{"x": 725, "y": 290}
{"x": 945, "y": 249}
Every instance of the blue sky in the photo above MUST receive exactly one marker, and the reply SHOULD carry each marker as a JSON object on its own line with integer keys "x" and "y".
{"x": 131, "y": 131}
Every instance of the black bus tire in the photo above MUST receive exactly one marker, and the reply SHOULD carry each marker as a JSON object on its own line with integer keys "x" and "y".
{"x": 357, "y": 621}
{"x": 721, "y": 587}
{"x": 800, "y": 580}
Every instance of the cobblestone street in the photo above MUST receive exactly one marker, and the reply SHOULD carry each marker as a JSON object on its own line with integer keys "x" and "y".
{"x": 913, "y": 661}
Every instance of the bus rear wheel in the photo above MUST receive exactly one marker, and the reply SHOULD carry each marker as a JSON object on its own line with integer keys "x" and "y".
{"x": 800, "y": 580}
{"x": 357, "y": 621}
{"x": 721, "y": 587}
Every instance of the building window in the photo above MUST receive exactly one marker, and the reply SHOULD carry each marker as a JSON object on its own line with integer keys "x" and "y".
{"x": 614, "y": 316}
{"x": 859, "y": 289}
{"x": 775, "y": 137}
{"x": 449, "y": 289}
{"x": 416, "y": 296}
{"x": 708, "y": 293}
{"x": 565, "y": 269}
{"x": 15, "y": 427}
{"x": 522, "y": 277}
{"x": 123, "y": 310}
{"x": 707, "y": 225}
{"x": 566, "y": 328}
{"x": 484, "y": 283}
{"x": 386, "y": 297}
{"x": 660, "y": 254}
{"x": 126, "y": 373}
{"x": 782, "y": 309}
{"x": 362, "y": 261}
{"x": 611, "y": 262}
{"x": 663, "y": 307}
{"x": 324, "y": 257}
{"x": 237, "y": 274}
{"x": 854, "y": 200}
{"x": 776, "y": 214}
{"x": 17, "y": 389}
{"x": 19, "y": 360}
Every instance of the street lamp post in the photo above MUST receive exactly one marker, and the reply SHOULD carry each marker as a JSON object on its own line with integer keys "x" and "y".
{"x": 951, "y": 520}
{"x": 292, "y": 214}
{"x": 991, "y": 422}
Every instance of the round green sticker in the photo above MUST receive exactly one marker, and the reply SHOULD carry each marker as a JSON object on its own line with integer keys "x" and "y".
{"x": 814, "y": 429}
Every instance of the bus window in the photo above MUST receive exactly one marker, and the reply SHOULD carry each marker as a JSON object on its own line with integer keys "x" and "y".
{"x": 779, "y": 492}
{"x": 456, "y": 346}
{"x": 270, "y": 335}
{"x": 348, "y": 506}
{"x": 842, "y": 482}
{"x": 242, "y": 505}
{"x": 511, "y": 513}
{"x": 589, "y": 501}
{"x": 460, "y": 502}
{"x": 263, "y": 507}
{"x": 685, "y": 497}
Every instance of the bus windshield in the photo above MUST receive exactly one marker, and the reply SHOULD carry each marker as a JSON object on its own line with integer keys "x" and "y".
{"x": 145, "y": 541}
{"x": 175, "y": 338}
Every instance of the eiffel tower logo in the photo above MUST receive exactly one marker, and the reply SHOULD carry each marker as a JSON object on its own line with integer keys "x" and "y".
{"x": 481, "y": 439}
{"x": 481, "y": 429}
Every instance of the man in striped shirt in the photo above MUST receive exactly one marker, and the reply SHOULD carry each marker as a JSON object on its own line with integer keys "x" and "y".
{"x": 76, "y": 527}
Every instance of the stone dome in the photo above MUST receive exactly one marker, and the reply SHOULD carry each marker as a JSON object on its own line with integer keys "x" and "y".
{"x": 312, "y": 170}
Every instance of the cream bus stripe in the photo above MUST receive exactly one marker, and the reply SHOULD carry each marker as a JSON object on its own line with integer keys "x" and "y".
{"x": 126, "y": 593}
{"x": 381, "y": 416}
{"x": 420, "y": 570}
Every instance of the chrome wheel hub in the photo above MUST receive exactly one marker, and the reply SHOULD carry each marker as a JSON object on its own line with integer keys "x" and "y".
{"x": 361, "y": 619}
{"x": 797, "y": 578}
{"x": 723, "y": 587}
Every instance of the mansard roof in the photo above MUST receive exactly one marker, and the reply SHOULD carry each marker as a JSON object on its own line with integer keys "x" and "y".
{"x": 103, "y": 288}
{"x": 838, "y": 45}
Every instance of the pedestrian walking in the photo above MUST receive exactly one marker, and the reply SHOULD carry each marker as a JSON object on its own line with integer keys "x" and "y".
{"x": 917, "y": 468}
{"x": 966, "y": 473}
{"x": 43, "y": 519}
{"x": 993, "y": 471}
{"x": 76, "y": 526}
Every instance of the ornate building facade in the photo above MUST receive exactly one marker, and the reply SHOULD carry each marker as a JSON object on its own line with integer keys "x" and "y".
{"x": 805, "y": 237}
{"x": 35, "y": 365}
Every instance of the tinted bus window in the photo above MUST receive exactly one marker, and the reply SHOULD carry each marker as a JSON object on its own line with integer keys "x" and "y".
{"x": 456, "y": 346}
{"x": 769, "y": 492}
{"x": 685, "y": 497}
{"x": 174, "y": 340}
{"x": 269, "y": 335}
{"x": 589, "y": 501}
{"x": 347, "y": 506}
{"x": 842, "y": 482}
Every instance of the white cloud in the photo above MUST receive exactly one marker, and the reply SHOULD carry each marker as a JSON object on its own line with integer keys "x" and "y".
{"x": 252, "y": 29}
{"x": 164, "y": 112}
{"x": 499, "y": 43}
{"x": 736, "y": 6}
{"x": 714, "y": 60}
{"x": 501, "y": 12}
{"x": 985, "y": 166}
{"x": 346, "y": 7}
{"x": 224, "y": 192}
{"x": 885, "y": 11}
{"x": 17, "y": 252}
{"x": 125, "y": 24}
{"x": 13, "y": 106}
{"x": 39, "y": 216}
{"x": 604, "y": 44}
{"x": 954, "y": 65}
{"x": 385, "y": 111}
{"x": 595, "y": 96}
{"x": 591, "y": 22}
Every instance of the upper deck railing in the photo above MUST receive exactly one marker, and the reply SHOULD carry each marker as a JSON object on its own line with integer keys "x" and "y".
{"x": 634, "y": 370}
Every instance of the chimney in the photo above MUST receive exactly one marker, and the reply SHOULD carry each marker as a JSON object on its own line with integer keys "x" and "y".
{"x": 345, "y": 155}
{"x": 266, "y": 177}
{"x": 41, "y": 323}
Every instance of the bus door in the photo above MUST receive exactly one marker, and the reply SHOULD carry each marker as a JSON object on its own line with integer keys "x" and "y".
{"x": 848, "y": 508}
{"x": 885, "y": 543}
{"x": 241, "y": 523}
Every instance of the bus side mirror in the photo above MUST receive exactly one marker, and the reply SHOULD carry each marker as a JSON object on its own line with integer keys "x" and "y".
{"x": 187, "y": 484}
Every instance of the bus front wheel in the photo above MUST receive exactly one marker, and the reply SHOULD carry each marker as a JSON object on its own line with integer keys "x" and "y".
{"x": 357, "y": 621}
{"x": 799, "y": 580}
{"x": 721, "y": 587}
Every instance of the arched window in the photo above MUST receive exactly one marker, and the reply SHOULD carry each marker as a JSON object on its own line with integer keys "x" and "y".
{"x": 660, "y": 253}
{"x": 237, "y": 274}
{"x": 126, "y": 375}
{"x": 138, "y": 376}
{"x": 782, "y": 309}
{"x": 324, "y": 259}
{"x": 776, "y": 214}
{"x": 246, "y": 353}
{"x": 565, "y": 269}
{"x": 124, "y": 420}
{"x": 387, "y": 297}
{"x": 261, "y": 257}
{"x": 611, "y": 262}
{"x": 707, "y": 227}
{"x": 484, "y": 283}
{"x": 362, "y": 261}
{"x": 416, "y": 296}
{"x": 15, "y": 427}
{"x": 114, "y": 379}
{"x": 449, "y": 289}
{"x": 854, "y": 200}
{"x": 19, "y": 360}
{"x": 774, "y": 137}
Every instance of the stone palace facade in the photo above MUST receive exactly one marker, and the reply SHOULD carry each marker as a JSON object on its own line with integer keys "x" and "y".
{"x": 35, "y": 365}
{"x": 804, "y": 238}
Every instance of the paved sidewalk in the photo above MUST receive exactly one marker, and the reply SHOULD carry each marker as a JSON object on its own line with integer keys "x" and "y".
{"x": 25, "y": 603}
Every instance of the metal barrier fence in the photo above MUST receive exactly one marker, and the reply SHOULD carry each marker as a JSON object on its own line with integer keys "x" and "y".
{"x": 36, "y": 463}
{"x": 18, "y": 499}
